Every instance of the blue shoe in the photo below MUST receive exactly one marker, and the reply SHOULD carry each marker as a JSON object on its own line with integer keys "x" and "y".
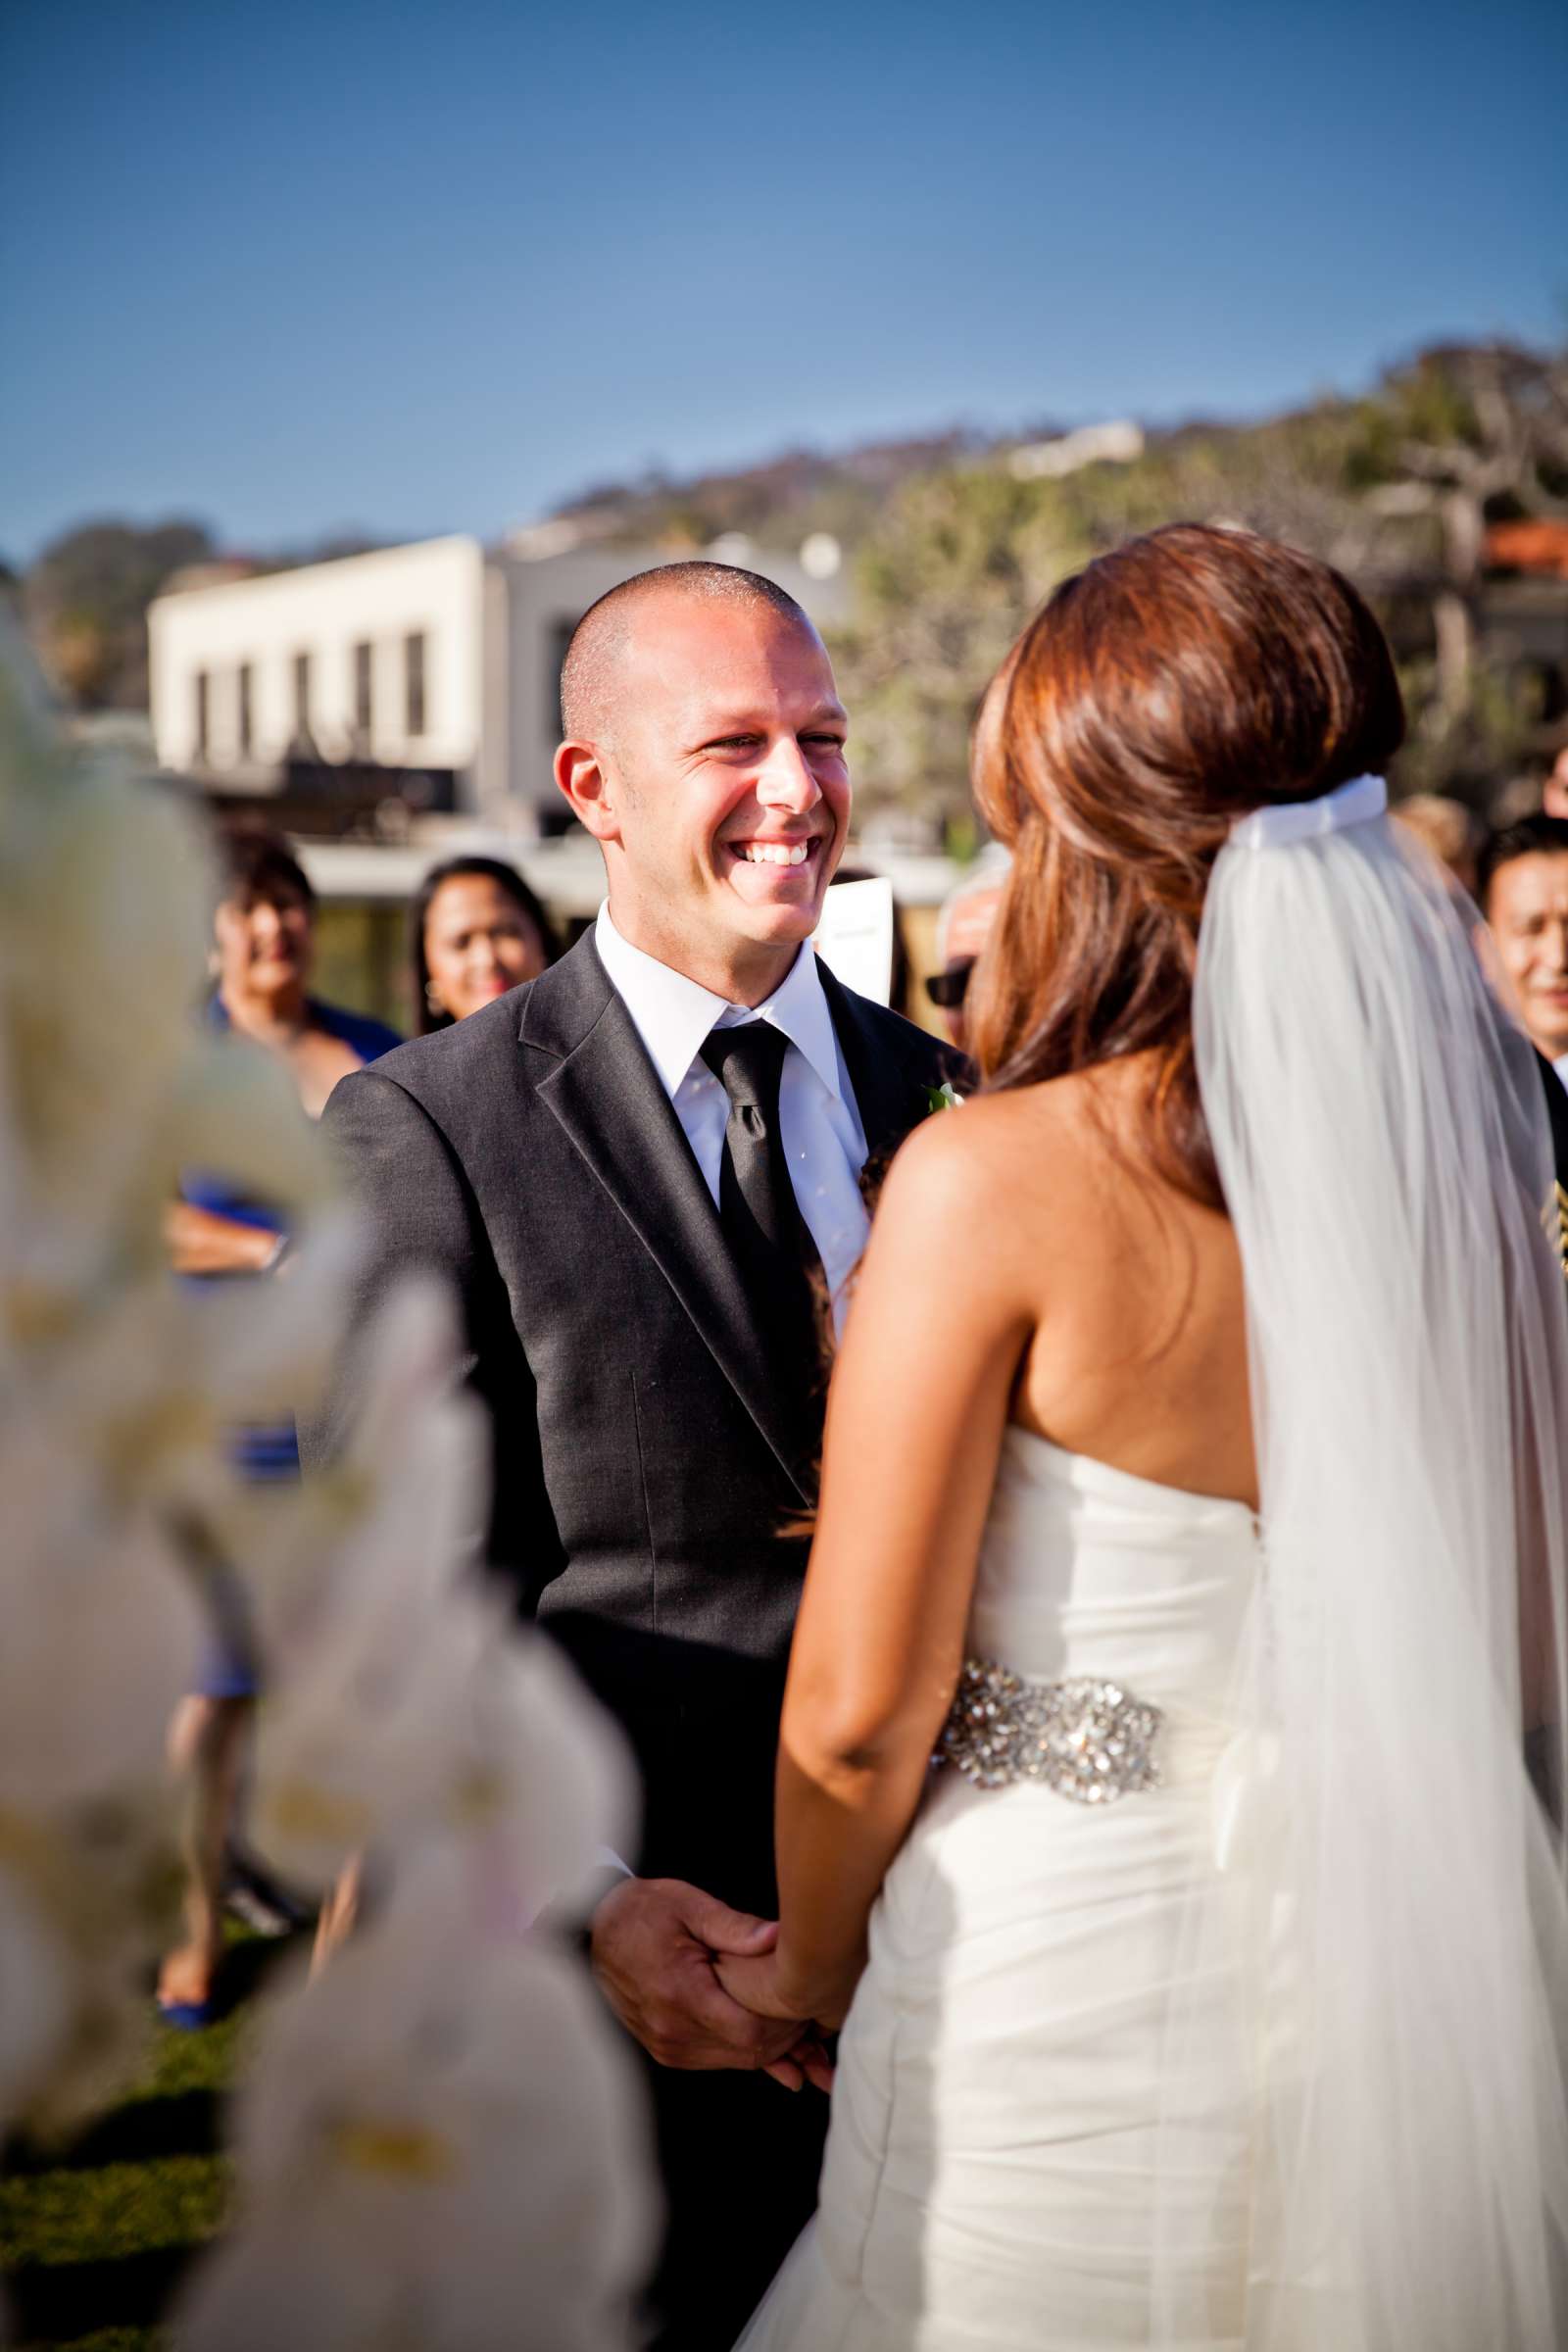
{"x": 186, "y": 2017}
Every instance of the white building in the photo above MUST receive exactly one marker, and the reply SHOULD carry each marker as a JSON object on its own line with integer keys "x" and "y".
{"x": 376, "y": 657}
{"x": 1115, "y": 444}
{"x": 437, "y": 658}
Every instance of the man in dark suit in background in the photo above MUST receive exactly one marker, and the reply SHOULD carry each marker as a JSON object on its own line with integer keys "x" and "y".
{"x": 635, "y": 1172}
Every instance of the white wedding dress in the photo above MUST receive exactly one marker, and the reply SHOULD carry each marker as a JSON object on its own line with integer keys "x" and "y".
{"x": 996, "y": 2114}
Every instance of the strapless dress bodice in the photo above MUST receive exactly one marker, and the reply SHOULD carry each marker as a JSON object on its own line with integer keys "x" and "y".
{"x": 1090, "y": 1571}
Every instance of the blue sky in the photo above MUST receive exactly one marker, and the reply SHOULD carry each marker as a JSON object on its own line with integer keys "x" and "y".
{"x": 292, "y": 267}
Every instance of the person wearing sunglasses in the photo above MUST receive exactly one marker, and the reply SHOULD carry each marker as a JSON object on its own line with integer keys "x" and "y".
{"x": 963, "y": 925}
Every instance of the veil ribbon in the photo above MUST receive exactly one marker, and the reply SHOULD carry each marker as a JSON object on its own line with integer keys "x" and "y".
{"x": 1283, "y": 821}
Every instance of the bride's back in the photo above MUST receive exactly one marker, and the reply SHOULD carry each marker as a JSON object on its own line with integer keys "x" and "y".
{"x": 1139, "y": 1350}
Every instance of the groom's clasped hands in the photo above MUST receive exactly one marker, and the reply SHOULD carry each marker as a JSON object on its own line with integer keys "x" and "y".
{"x": 696, "y": 1984}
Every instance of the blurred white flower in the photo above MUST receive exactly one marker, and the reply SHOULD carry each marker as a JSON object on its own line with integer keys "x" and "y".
{"x": 99, "y": 1630}
{"x": 407, "y": 1706}
{"x": 440, "y": 2146}
{"x": 171, "y": 1368}
{"x": 33, "y": 2004}
{"x": 101, "y": 1877}
{"x": 102, "y": 961}
{"x": 99, "y": 1633}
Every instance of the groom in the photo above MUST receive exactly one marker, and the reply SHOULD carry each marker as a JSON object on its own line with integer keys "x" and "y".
{"x": 636, "y": 1173}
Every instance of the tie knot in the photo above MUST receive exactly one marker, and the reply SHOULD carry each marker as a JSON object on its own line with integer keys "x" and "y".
{"x": 748, "y": 1061}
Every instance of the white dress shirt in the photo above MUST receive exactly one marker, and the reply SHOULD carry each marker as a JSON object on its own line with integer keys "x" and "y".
{"x": 1560, "y": 1065}
{"x": 820, "y": 1121}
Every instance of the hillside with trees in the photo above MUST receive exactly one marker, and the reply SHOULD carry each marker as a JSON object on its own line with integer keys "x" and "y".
{"x": 85, "y": 605}
{"x": 953, "y": 544}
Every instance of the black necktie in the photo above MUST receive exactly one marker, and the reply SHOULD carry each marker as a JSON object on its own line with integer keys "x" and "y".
{"x": 770, "y": 1239}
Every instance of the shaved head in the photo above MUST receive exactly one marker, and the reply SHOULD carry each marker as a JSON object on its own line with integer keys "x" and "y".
{"x": 595, "y": 662}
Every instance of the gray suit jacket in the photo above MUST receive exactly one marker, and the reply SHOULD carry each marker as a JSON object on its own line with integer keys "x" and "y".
{"x": 649, "y": 1478}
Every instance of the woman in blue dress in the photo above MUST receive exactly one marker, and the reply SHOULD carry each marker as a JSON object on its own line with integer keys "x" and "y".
{"x": 264, "y": 937}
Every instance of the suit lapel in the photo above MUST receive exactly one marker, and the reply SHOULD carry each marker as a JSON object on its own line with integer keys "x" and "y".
{"x": 608, "y": 1097}
{"x": 889, "y": 1092}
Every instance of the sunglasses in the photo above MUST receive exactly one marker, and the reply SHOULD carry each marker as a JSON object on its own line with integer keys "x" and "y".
{"x": 946, "y": 988}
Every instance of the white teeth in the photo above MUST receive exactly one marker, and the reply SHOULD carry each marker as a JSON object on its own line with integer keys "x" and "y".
{"x": 774, "y": 853}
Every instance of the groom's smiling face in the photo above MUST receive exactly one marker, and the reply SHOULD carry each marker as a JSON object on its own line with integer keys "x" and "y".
{"x": 724, "y": 794}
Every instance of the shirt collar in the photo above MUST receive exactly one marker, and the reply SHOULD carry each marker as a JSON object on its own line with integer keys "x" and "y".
{"x": 673, "y": 1014}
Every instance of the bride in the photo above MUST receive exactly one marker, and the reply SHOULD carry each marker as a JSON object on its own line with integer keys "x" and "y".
{"x": 1194, "y": 1488}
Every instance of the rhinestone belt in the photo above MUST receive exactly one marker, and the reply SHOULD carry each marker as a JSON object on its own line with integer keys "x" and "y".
{"x": 1089, "y": 1741}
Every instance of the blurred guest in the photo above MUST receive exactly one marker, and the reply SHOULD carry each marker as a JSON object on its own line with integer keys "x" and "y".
{"x": 1448, "y": 829}
{"x": 1524, "y": 897}
{"x": 264, "y": 939}
{"x": 964, "y": 926}
{"x": 475, "y": 930}
{"x": 1554, "y": 791}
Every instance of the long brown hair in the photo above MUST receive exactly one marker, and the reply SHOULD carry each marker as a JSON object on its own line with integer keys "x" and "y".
{"x": 1188, "y": 677}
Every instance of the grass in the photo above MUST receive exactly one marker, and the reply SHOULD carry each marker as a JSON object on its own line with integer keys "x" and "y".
{"x": 96, "y": 2236}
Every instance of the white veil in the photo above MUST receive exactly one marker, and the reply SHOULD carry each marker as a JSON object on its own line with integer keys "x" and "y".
{"x": 1396, "y": 2043}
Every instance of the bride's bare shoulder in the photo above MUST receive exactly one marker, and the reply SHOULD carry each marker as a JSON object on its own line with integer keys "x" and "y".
{"x": 1067, "y": 1120}
{"x": 995, "y": 1158}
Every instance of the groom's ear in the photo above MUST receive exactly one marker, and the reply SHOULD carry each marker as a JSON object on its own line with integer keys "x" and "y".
{"x": 582, "y": 777}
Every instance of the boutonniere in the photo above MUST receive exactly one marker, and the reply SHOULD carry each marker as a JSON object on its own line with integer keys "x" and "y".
{"x": 942, "y": 1097}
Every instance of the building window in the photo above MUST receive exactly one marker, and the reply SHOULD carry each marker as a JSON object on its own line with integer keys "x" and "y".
{"x": 302, "y": 697}
{"x": 362, "y": 690}
{"x": 246, "y": 673}
{"x": 414, "y": 683}
{"x": 204, "y": 711}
